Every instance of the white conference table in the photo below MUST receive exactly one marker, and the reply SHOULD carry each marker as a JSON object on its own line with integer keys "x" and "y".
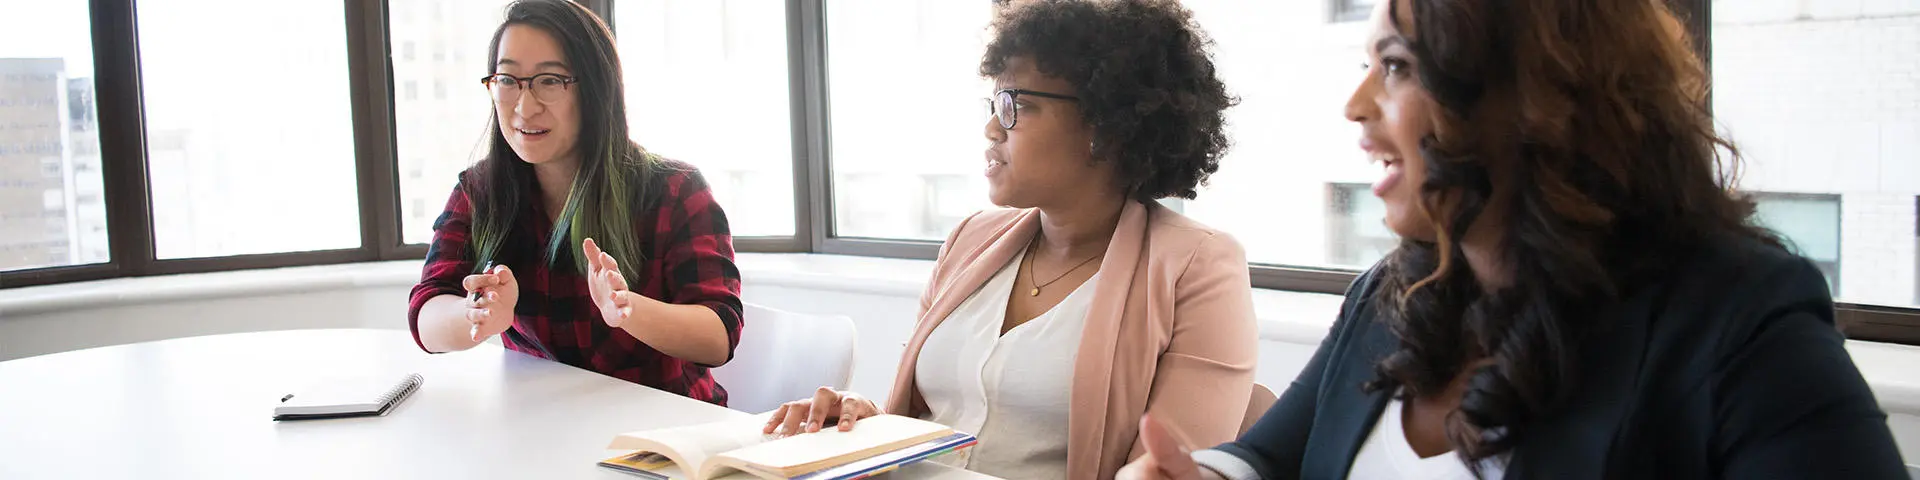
{"x": 201, "y": 407}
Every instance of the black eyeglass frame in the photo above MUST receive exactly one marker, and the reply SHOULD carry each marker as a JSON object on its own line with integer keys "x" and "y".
{"x": 1012, "y": 95}
{"x": 566, "y": 83}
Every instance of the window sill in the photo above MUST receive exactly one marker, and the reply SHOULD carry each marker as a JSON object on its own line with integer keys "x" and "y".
{"x": 205, "y": 286}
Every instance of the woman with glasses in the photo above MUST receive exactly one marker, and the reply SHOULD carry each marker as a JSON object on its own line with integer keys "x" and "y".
{"x": 570, "y": 241}
{"x": 1049, "y": 327}
{"x": 1579, "y": 294}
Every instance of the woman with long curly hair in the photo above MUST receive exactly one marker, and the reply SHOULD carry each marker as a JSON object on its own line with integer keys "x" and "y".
{"x": 1050, "y": 326}
{"x": 1579, "y": 293}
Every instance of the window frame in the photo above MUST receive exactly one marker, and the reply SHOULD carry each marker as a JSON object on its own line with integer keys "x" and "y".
{"x": 118, "y": 101}
{"x": 124, "y": 171}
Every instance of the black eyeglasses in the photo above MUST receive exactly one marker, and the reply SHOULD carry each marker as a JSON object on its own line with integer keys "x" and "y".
{"x": 1003, "y": 108}
{"x": 547, "y": 87}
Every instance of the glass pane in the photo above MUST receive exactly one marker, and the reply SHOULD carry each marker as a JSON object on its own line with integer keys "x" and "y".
{"x": 260, "y": 162}
{"x": 1810, "y": 223}
{"x": 1356, "y": 228}
{"x": 440, "y": 109}
{"x": 907, "y": 115}
{"x": 1352, "y": 10}
{"x": 1822, "y": 100}
{"x": 1295, "y": 188}
{"x": 707, "y": 84}
{"x": 52, "y": 212}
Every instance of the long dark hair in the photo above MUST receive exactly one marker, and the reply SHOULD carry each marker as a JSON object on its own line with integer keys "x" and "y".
{"x": 1589, "y": 121}
{"x": 615, "y": 173}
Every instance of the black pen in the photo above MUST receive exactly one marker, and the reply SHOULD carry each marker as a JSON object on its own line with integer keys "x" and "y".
{"x": 474, "y": 297}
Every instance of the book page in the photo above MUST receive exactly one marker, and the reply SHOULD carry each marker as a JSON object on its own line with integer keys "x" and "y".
{"x": 800, "y": 454}
{"x": 690, "y": 446}
{"x": 657, "y": 466}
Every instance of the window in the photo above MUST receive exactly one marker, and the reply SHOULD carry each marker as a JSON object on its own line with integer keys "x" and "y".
{"x": 254, "y": 163}
{"x": 1819, "y": 102}
{"x": 1351, "y": 10}
{"x": 1356, "y": 226}
{"x": 1295, "y": 189}
{"x": 1810, "y": 223}
{"x": 706, "y": 84}
{"x": 907, "y": 120}
{"x": 51, "y": 210}
{"x": 441, "y": 136}
{"x": 406, "y": 51}
{"x": 949, "y": 199}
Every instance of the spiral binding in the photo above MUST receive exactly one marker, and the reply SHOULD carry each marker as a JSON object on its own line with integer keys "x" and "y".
{"x": 401, "y": 391}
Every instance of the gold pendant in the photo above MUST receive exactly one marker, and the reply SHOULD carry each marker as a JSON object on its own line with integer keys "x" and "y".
{"x": 1034, "y": 293}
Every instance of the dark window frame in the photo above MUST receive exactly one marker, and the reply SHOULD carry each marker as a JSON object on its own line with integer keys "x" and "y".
{"x": 125, "y": 172}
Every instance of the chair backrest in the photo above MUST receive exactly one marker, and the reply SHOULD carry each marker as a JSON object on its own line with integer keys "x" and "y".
{"x": 1257, "y": 405}
{"x": 1913, "y": 471}
{"x": 784, "y": 356}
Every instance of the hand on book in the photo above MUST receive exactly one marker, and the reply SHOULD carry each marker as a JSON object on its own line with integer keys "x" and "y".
{"x": 808, "y": 415}
{"x": 1167, "y": 457}
{"x": 607, "y": 285}
{"x": 491, "y": 311}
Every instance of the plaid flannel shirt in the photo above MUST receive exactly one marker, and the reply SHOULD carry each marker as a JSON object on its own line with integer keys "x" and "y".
{"x": 689, "y": 261}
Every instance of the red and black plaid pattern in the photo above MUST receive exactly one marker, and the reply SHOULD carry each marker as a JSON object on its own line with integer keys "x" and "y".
{"x": 689, "y": 261}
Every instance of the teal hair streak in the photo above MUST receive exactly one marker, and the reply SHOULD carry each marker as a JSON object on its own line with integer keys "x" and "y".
{"x": 600, "y": 206}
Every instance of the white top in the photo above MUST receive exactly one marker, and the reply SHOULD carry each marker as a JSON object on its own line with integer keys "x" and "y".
{"x": 1386, "y": 455}
{"x": 1011, "y": 390}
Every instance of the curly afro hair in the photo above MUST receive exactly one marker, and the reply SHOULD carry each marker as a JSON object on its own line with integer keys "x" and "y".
{"x": 1145, "y": 82}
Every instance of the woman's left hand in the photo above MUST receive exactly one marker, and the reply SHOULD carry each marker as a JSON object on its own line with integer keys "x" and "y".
{"x": 607, "y": 286}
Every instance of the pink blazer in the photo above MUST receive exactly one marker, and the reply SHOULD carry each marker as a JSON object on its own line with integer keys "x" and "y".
{"x": 1171, "y": 331}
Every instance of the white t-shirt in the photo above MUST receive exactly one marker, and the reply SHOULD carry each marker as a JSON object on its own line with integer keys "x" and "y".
{"x": 1011, "y": 391}
{"x": 1386, "y": 455}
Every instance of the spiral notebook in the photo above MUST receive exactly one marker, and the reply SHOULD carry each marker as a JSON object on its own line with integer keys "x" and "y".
{"x": 336, "y": 398}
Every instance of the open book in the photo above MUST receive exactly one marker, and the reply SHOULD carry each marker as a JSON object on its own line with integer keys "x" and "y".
{"x": 736, "y": 449}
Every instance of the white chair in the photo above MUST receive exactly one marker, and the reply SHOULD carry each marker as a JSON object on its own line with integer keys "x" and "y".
{"x": 1913, "y": 471}
{"x": 1257, "y": 405}
{"x": 785, "y": 356}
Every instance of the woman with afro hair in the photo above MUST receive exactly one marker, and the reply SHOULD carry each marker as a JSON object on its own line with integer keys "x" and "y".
{"x": 1051, "y": 325}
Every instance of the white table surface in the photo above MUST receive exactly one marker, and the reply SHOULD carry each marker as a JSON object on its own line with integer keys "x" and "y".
{"x": 201, "y": 407}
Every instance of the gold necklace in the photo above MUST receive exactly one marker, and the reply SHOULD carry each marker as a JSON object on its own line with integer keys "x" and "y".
{"x": 1032, "y": 277}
